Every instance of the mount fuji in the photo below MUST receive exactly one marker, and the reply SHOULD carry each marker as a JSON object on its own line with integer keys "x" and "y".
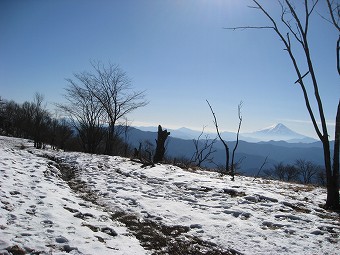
{"x": 279, "y": 132}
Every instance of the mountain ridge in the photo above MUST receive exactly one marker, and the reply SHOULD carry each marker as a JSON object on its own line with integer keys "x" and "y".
{"x": 277, "y": 132}
{"x": 253, "y": 154}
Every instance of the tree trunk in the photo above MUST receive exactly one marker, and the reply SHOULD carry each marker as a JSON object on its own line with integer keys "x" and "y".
{"x": 110, "y": 136}
{"x": 160, "y": 144}
{"x": 300, "y": 34}
{"x": 333, "y": 185}
{"x": 224, "y": 143}
{"x": 328, "y": 168}
{"x": 226, "y": 157}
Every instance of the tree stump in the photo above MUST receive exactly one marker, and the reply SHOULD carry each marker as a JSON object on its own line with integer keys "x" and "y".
{"x": 160, "y": 144}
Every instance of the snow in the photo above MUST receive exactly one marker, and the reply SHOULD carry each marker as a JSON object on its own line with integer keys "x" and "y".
{"x": 33, "y": 210}
{"x": 42, "y": 212}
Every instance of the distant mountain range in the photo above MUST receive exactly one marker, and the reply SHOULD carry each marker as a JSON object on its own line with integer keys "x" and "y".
{"x": 252, "y": 154}
{"x": 278, "y": 132}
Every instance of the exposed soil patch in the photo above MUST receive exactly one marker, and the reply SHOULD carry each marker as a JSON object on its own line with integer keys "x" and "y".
{"x": 234, "y": 193}
{"x": 163, "y": 239}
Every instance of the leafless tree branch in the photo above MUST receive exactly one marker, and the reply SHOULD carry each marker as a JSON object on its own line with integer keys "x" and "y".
{"x": 221, "y": 139}
{"x": 300, "y": 33}
{"x": 204, "y": 150}
{"x": 260, "y": 169}
{"x": 237, "y": 140}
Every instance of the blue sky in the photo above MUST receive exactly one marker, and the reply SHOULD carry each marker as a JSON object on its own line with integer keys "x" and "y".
{"x": 177, "y": 51}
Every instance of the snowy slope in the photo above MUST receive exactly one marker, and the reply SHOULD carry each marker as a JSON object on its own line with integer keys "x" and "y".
{"x": 38, "y": 211}
{"x": 113, "y": 206}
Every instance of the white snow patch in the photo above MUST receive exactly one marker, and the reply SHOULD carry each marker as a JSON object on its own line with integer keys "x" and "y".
{"x": 251, "y": 217}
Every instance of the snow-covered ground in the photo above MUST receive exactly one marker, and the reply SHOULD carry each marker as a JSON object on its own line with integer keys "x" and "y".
{"x": 111, "y": 205}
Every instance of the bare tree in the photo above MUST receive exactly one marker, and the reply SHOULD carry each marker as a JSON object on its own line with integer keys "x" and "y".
{"x": 204, "y": 150}
{"x": 29, "y": 120}
{"x": 11, "y": 115}
{"x": 286, "y": 172}
{"x": 148, "y": 149}
{"x": 86, "y": 115}
{"x": 237, "y": 137}
{"x": 126, "y": 129}
{"x": 228, "y": 169}
{"x": 40, "y": 119}
{"x": 226, "y": 147}
{"x": 268, "y": 173}
{"x": 63, "y": 133}
{"x": 279, "y": 171}
{"x": 26, "y": 119}
{"x": 2, "y": 113}
{"x": 333, "y": 184}
{"x": 113, "y": 90}
{"x": 307, "y": 170}
{"x": 294, "y": 32}
{"x": 106, "y": 96}
{"x": 321, "y": 177}
{"x": 292, "y": 173}
{"x": 261, "y": 167}
{"x": 334, "y": 13}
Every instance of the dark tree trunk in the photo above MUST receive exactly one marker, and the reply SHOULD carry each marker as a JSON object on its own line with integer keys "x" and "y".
{"x": 109, "y": 139}
{"x": 300, "y": 34}
{"x": 160, "y": 144}
{"x": 333, "y": 184}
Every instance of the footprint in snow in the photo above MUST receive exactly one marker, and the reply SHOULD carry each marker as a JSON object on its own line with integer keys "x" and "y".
{"x": 40, "y": 202}
{"x": 47, "y": 223}
{"x": 84, "y": 205}
{"x": 26, "y": 234}
{"x": 72, "y": 210}
{"x": 108, "y": 231}
{"x": 31, "y": 211}
{"x": 290, "y": 217}
{"x": 67, "y": 248}
{"x": 83, "y": 215}
{"x": 14, "y": 192}
{"x": 61, "y": 239}
{"x": 71, "y": 228}
{"x": 271, "y": 225}
{"x": 236, "y": 214}
{"x": 11, "y": 219}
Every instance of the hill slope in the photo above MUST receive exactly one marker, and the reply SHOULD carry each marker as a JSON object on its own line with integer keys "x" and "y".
{"x": 57, "y": 202}
{"x": 253, "y": 154}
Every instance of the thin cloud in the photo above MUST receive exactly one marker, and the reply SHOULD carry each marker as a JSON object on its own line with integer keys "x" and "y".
{"x": 329, "y": 123}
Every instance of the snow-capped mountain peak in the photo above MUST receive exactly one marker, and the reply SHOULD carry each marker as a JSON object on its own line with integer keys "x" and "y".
{"x": 277, "y": 132}
{"x": 277, "y": 129}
